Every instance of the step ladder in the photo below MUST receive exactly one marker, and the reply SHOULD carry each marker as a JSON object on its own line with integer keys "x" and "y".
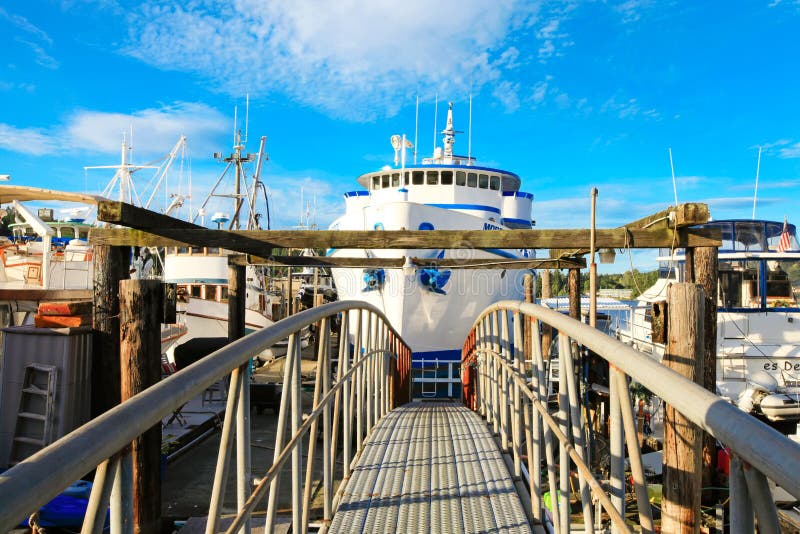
{"x": 34, "y": 427}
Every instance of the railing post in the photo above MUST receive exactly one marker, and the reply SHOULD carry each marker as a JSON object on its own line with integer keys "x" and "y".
{"x": 535, "y": 435}
{"x": 682, "y": 439}
{"x": 297, "y": 452}
{"x": 328, "y": 455}
{"x": 519, "y": 365}
{"x": 357, "y": 357}
{"x": 369, "y": 378}
{"x": 741, "y": 506}
{"x": 504, "y": 356}
{"x": 347, "y": 411}
{"x": 140, "y": 357}
{"x": 564, "y": 354}
{"x": 616, "y": 448}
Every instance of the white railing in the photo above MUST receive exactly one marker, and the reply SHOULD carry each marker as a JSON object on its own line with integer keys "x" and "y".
{"x": 368, "y": 383}
{"x": 508, "y": 388}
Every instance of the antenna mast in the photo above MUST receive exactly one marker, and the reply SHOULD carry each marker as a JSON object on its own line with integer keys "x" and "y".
{"x": 674, "y": 186}
{"x": 755, "y": 193}
{"x": 435, "y": 120}
{"x": 416, "y": 131}
{"x": 469, "y": 135}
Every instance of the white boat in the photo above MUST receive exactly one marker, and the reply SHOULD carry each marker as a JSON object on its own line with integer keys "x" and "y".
{"x": 758, "y": 315}
{"x": 434, "y": 308}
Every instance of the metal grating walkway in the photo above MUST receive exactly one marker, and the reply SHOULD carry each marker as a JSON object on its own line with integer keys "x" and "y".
{"x": 430, "y": 468}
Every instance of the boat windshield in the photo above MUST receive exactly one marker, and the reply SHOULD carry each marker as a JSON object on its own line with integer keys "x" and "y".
{"x": 754, "y": 236}
{"x": 756, "y": 284}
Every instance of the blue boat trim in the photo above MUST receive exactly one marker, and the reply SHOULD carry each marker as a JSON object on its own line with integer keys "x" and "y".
{"x": 510, "y": 220}
{"x": 360, "y": 193}
{"x": 465, "y": 168}
{"x": 479, "y": 207}
{"x": 520, "y": 194}
{"x": 502, "y": 253}
{"x": 418, "y": 359}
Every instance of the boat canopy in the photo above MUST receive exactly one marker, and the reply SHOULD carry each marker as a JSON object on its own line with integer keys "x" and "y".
{"x": 745, "y": 235}
{"x": 452, "y": 175}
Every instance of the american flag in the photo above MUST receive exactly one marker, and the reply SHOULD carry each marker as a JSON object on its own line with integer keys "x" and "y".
{"x": 785, "y": 243}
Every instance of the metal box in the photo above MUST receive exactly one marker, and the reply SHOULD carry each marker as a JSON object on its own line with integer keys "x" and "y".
{"x": 69, "y": 350}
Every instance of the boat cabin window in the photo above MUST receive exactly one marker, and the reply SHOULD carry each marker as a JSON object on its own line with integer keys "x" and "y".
{"x": 739, "y": 284}
{"x": 447, "y": 177}
{"x": 406, "y": 180}
{"x": 418, "y": 177}
{"x": 223, "y": 293}
{"x": 396, "y": 179}
{"x": 195, "y": 291}
{"x": 750, "y": 236}
{"x": 472, "y": 179}
{"x": 183, "y": 250}
{"x": 385, "y": 181}
{"x": 67, "y": 231}
{"x": 197, "y": 250}
{"x": 483, "y": 181}
{"x": 433, "y": 177}
{"x": 376, "y": 182}
{"x": 213, "y": 251}
{"x": 494, "y": 183}
{"x": 461, "y": 178}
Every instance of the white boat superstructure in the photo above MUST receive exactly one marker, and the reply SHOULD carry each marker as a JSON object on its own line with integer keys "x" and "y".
{"x": 433, "y": 308}
{"x": 758, "y": 315}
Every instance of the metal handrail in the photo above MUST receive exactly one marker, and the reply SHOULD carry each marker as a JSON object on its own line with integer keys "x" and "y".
{"x": 36, "y": 480}
{"x": 500, "y": 378}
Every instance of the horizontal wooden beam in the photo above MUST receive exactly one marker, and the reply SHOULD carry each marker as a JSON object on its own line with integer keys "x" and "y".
{"x": 46, "y": 294}
{"x": 261, "y": 242}
{"x": 396, "y": 263}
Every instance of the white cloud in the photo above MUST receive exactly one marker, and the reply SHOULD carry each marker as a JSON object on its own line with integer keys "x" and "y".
{"x": 42, "y": 58}
{"x": 353, "y": 59}
{"x": 507, "y": 94}
{"x": 631, "y": 10}
{"x": 25, "y": 25}
{"x": 33, "y": 141}
{"x": 628, "y": 109}
{"x": 155, "y": 131}
{"x": 783, "y": 148}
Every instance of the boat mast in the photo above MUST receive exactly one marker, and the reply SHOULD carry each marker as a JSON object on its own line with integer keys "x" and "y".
{"x": 755, "y": 193}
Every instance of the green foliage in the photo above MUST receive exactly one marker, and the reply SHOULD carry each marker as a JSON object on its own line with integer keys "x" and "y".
{"x": 634, "y": 280}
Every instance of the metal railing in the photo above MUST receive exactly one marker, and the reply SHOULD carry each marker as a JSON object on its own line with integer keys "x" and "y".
{"x": 368, "y": 383}
{"x": 510, "y": 392}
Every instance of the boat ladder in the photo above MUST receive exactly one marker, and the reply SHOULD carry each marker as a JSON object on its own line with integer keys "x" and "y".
{"x": 34, "y": 424}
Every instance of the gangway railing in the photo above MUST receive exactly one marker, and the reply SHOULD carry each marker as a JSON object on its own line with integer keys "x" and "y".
{"x": 348, "y": 401}
{"x": 509, "y": 391}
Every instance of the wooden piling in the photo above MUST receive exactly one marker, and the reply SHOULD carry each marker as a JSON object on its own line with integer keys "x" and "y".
{"x": 682, "y": 439}
{"x": 237, "y": 296}
{"x": 547, "y": 331}
{"x": 110, "y": 266}
{"x": 575, "y": 294}
{"x": 702, "y": 267}
{"x": 140, "y": 304}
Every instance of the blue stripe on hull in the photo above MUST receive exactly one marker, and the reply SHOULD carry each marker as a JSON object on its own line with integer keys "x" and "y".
{"x": 443, "y": 356}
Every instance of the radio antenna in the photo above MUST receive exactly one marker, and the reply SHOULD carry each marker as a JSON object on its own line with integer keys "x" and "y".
{"x": 246, "y": 115}
{"x": 755, "y": 193}
{"x": 416, "y": 131}
{"x": 469, "y": 135}
{"x": 674, "y": 185}
{"x": 435, "y": 120}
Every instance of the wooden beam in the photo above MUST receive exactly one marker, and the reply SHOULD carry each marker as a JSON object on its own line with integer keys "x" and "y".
{"x": 389, "y": 263}
{"x": 261, "y": 242}
{"x": 46, "y": 294}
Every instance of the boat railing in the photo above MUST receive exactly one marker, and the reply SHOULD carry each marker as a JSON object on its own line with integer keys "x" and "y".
{"x": 371, "y": 377}
{"x": 505, "y": 378}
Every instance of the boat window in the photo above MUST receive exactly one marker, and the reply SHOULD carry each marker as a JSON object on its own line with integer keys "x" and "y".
{"x": 749, "y": 236}
{"x": 494, "y": 183}
{"x": 385, "y": 181}
{"x": 472, "y": 179}
{"x": 779, "y": 287}
{"x": 447, "y": 177}
{"x": 433, "y": 177}
{"x": 418, "y": 177}
{"x": 406, "y": 178}
{"x": 774, "y": 232}
{"x": 197, "y": 250}
{"x": 213, "y": 251}
{"x": 376, "y": 182}
{"x": 223, "y": 294}
{"x": 483, "y": 181}
{"x": 195, "y": 291}
{"x": 396, "y": 179}
{"x": 183, "y": 250}
{"x": 67, "y": 231}
{"x": 739, "y": 284}
{"x": 461, "y": 178}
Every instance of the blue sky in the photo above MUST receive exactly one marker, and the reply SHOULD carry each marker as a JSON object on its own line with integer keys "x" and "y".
{"x": 569, "y": 95}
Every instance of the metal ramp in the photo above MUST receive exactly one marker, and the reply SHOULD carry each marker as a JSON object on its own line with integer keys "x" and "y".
{"x": 430, "y": 467}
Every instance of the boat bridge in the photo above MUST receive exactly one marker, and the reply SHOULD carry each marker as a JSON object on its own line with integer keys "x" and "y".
{"x": 513, "y": 453}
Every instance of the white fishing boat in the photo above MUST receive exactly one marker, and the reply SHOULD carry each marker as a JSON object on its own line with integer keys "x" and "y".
{"x": 758, "y": 315}
{"x": 433, "y": 308}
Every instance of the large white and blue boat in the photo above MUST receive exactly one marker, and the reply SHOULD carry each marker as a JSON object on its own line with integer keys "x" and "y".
{"x": 434, "y": 308}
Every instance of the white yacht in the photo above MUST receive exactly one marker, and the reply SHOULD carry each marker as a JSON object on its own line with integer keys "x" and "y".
{"x": 758, "y": 315}
{"x": 433, "y": 308}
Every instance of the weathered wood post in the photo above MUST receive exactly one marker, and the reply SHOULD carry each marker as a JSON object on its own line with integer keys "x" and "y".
{"x": 702, "y": 267}
{"x": 575, "y": 294}
{"x": 527, "y": 323}
{"x": 141, "y": 310}
{"x": 547, "y": 332}
{"x": 682, "y": 439}
{"x": 110, "y": 266}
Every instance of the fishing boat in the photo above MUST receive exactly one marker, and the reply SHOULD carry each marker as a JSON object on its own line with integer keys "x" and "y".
{"x": 758, "y": 315}
{"x": 433, "y": 308}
